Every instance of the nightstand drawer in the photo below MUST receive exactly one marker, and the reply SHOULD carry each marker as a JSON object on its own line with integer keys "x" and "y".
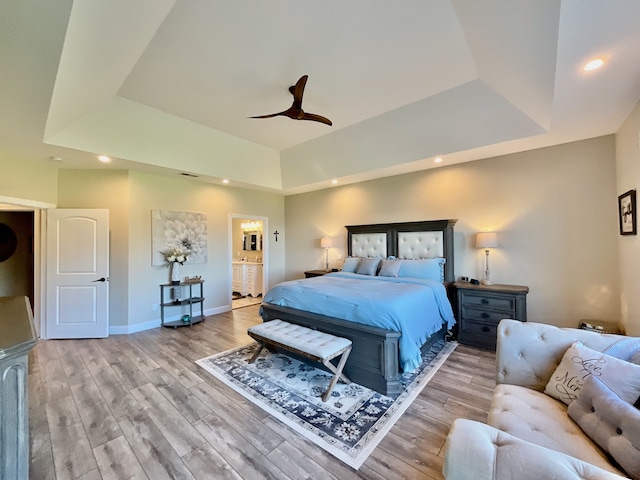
{"x": 503, "y": 303}
{"x": 488, "y": 316}
{"x": 478, "y": 334}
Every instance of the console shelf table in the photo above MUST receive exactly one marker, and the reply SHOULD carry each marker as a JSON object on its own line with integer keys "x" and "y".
{"x": 191, "y": 300}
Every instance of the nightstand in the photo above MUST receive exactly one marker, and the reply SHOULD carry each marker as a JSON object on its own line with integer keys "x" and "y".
{"x": 315, "y": 273}
{"x": 479, "y": 309}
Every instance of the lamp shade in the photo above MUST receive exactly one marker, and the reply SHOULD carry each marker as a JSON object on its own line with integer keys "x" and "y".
{"x": 486, "y": 240}
{"x": 326, "y": 242}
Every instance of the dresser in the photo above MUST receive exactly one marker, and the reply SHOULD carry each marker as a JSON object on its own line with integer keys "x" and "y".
{"x": 247, "y": 278}
{"x": 17, "y": 338}
{"x": 479, "y": 309}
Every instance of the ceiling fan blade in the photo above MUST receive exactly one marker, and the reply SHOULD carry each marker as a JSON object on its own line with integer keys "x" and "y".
{"x": 271, "y": 115}
{"x": 291, "y": 112}
{"x": 316, "y": 118}
{"x": 298, "y": 90}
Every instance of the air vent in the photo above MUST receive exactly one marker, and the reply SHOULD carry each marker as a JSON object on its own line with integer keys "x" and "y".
{"x": 189, "y": 175}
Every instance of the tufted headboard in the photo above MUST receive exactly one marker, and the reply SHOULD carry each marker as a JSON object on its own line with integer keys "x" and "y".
{"x": 428, "y": 239}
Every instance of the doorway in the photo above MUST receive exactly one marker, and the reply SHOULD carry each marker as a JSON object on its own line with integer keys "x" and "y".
{"x": 34, "y": 209}
{"x": 17, "y": 261}
{"x": 248, "y": 259}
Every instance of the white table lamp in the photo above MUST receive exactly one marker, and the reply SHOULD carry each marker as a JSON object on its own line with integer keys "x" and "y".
{"x": 326, "y": 243}
{"x": 486, "y": 240}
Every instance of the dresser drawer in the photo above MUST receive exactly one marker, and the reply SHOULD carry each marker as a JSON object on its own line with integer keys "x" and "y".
{"x": 487, "y": 316}
{"x": 493, "y": 302}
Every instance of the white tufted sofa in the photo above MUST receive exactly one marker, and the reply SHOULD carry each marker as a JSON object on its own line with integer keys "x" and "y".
{"x": 528, "y": 434}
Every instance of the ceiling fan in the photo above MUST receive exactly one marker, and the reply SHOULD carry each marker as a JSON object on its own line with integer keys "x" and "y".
{"x": 295, "y": 112}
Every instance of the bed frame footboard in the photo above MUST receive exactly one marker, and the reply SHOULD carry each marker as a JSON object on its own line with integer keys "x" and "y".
{"x": 374, "y": 359}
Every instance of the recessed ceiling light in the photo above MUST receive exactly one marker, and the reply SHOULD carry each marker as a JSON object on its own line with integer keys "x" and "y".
{"x": 104, "y": 159}
{"x": 438, "y": 160}
{"x": 225, "y": 180}
{"x": 594, "y": 64}
{"x": 55, "y": 159}
{"x": 334, "y": 181}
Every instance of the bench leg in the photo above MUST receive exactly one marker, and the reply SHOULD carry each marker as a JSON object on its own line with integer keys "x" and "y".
{"x": 337, "y": 373}
{"x": 255, "y": 355}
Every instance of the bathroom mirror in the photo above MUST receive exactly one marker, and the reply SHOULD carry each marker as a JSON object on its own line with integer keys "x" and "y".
{"x": 252, "y": 241}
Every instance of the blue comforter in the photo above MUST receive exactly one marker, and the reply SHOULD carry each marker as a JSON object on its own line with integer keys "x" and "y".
{"x": 414, "y": 307}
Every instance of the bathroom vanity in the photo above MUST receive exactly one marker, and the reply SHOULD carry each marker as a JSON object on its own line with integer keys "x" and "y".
{"x": 247, "y": 278}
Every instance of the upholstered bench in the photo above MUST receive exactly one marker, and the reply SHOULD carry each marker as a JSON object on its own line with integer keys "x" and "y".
{"x": 317, "y": 346}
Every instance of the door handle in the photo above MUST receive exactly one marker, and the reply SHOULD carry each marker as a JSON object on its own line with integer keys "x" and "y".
{"x": 100, "y": 280}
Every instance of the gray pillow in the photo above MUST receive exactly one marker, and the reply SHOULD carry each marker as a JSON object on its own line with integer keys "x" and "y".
{"x": 350, "y": 264}
{"x": 610, "y": 422}
{"x": 368, "y": 266}
{"x": 389, "y": 268}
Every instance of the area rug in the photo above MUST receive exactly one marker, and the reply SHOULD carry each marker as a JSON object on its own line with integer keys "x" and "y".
{"x": 349, "y": 425}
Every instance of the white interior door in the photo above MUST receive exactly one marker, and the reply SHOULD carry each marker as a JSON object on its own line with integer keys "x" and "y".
{"x": 77, "y": 286}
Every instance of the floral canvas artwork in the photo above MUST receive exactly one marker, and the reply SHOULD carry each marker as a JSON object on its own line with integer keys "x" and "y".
{"x": 184, "y": 234}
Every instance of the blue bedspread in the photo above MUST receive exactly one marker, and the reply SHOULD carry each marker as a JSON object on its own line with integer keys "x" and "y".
{"x": 413, "y": 306}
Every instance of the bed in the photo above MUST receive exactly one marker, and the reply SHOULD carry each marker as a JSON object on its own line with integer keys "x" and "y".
{"x": 419, "y": 307}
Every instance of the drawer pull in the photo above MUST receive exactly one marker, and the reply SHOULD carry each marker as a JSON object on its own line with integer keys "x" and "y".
{"x": 485, "y": 315}
{"x": 485, "y": 301}
{"x": 485, "y": 329}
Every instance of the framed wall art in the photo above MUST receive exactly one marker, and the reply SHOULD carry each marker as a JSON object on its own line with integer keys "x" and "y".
{"x": 627, "y": 213}
{"x": 181, "y": 231}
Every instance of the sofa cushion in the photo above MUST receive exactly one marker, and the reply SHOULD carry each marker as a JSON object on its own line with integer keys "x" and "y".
{"x": 477, "y": 451}
{"x": 609, "y": 421}
{"x": 540, "y": 419}
{"x": 580, "y": 362}
{"x": 528, "y": 353}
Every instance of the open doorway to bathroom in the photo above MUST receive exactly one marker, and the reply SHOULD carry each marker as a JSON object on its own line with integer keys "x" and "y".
{"x": 17, "y": 262}
{"x": 248, "y": 260}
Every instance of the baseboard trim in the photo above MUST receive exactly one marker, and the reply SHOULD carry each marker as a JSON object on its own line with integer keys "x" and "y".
{"x": 140, "y": 327}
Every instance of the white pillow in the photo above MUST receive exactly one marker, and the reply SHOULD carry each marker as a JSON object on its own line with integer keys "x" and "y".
{"x": 389, "y": 268}
{"x": 350, "y": 264}
{"x": 580, "y": 362}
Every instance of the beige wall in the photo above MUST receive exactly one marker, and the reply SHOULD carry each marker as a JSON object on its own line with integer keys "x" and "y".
{"x": 628, "y": 178}
{"x": 35, "y": 180}
{"x": 105, "y": 189}
{"x": 217, "y": 203}
{"x": 554, "y": 209}
{"x": 130, "y": 196}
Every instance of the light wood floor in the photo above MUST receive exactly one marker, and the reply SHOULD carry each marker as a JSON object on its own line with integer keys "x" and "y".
{"x": 137, "y": 407}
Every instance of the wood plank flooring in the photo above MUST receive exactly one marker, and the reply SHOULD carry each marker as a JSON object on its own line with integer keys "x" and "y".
{"x": 138, "y": 407}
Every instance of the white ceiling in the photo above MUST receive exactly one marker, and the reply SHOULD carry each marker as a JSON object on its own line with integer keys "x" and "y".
{"x": 168, "y": 85}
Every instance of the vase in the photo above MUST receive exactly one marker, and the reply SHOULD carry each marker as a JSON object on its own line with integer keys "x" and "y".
{"x": 175, "y": 273}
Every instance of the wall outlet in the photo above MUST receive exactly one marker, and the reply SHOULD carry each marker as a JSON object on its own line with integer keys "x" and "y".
{"x": 339, "y": 256}
{"x": 154, "y": 307}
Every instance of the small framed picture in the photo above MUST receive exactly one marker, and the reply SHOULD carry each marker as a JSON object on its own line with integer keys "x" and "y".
{"x": 627, "y": 212}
